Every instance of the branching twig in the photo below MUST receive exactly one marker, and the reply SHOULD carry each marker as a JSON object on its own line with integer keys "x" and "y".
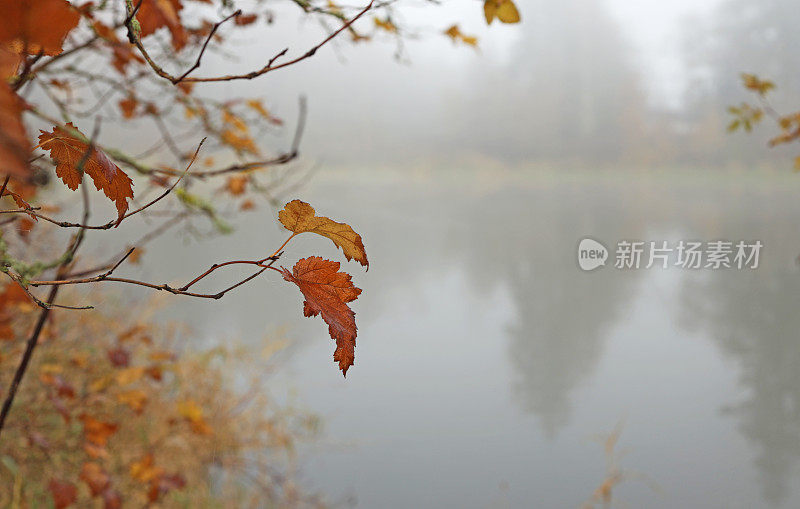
{"x": 114, "y": 223}
{"x": 270, "y": 66}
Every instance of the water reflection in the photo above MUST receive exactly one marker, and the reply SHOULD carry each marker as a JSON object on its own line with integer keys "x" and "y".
{"x": 753, "y": 319}
{"x": 486, "y": 353}
{"x": 562, "y": 315}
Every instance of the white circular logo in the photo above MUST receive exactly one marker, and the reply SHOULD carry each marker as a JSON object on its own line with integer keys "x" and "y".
{"x": 591, "y": 254}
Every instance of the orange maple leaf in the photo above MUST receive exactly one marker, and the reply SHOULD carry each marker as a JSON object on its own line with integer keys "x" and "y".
{"x": 327, "y": 293}
{"x": 245, "y": 19}
{"x": 36, "y": 25}
{"x": 155, "y": 14}
{"x": 96, "y": 431}
{"x": 70, "y": 151}
{"x": 128, "y": 106}
{"x": 15, "y": 149}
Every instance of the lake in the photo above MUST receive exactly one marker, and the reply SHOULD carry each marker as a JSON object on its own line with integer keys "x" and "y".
{"x": 489, "y": 366}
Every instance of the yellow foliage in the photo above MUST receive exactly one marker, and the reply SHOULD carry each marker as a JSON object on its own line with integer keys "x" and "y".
{"x": 109, "y": 432}
{"x": 504, "y": 10}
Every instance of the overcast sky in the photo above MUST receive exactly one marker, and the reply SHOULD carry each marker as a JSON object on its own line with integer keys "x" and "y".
{"x": 362, "y": 100}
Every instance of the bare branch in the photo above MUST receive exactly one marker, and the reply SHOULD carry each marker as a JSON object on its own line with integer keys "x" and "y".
{"x": 270, "y": 66}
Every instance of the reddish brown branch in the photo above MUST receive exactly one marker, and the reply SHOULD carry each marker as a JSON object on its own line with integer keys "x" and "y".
{"x": 166, "y": 287}
{"x": 205, "y": 45}
{"x": 270, "y": 66}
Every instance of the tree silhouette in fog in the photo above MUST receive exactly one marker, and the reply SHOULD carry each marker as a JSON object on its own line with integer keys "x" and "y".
{"x": 568, "y": 91}
{"x": 563, "y": 315}
{"x": 753, "y": 319}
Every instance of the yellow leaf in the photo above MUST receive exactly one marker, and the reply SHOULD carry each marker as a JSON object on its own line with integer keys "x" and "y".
{"x": 101, "y": 384}
{"x": 51, "y": 368}
{"x": 234, "y": 120}
{"x": 507, "y": 12}
{"x": 240, "y": 143}
{"x": 489, "y": 10}
{"x": 300, "y": 217}
{"x": 129, "y": 375}
{"x": 504, "y": 10}
{"x": 135, "y": 399}
{"x": 470, "y": 40}
{"x": 237, "y": 185}
{"x": 258, "y": 107}
{"x": 190, "y": 410}
{"x": 386, "y": 24}
{"x": 145, "y": 469}
{"x": 453, "y": 32}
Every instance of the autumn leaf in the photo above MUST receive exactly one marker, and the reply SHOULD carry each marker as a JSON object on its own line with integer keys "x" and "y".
{"x": 24, "y": 227}
{"x": 155, "y": 14}
{"x": 15, "y": 149}
{"x": 9, "y": 63}
{"x": 123, "y": 56}
{"x": 129, "y": 375}
{"x": 62, "y": 387}
{"x": 70, "y": 151}
{"x": 299, "y": 217}
{"x": 386, "y": 24}
{"x": 234, "y": 121}
{"x": 136, "y": 255}
{"x": 128, "y": 107}
{"x": 237, "y": 185}
{"x": 135, "y": 399}
{"x": 96, "y": 431}
{"x": 327, "y": 293}
{"x": 112, "y": 499}
{"x": 95, "y": 451}
{"x": 64, "y": 493}
{"x": 245, "y": 19}
{"x": 503, "y": 10}
{"x": 163, "y": 484}
{"x": 161, "y": 355}
{"x": 455, "y": 34}
{"x": 119, "y": 357}
{"x": 192, "y": 412}
{"x": 258, "y": 106}
{"x": 12, "y": 297}
{"x": 756, "y": 84}
{"x": 32, "y": 26}
{"x": 95, "y": 477}
{"x": 19, "y": 201}
{"x": 239, "y": 142}
{"x": 145, "y": 469}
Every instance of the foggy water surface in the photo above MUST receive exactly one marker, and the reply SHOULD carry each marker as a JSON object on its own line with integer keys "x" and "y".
{"x": 488, "y": 363}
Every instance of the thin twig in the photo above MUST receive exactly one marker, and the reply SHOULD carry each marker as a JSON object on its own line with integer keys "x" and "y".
{"x": 270, "y": 66}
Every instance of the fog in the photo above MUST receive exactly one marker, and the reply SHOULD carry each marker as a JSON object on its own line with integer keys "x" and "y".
{"x": 588, "y": 81}
{"x": 486, "y": 356}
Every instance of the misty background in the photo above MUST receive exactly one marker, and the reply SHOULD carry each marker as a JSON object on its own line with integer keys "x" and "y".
{"x": 486, "y": 359}
{"x": 588, "y": 82}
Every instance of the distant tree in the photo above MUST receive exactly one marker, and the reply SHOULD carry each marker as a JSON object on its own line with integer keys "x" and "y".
{"x": 569, "y": 90}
